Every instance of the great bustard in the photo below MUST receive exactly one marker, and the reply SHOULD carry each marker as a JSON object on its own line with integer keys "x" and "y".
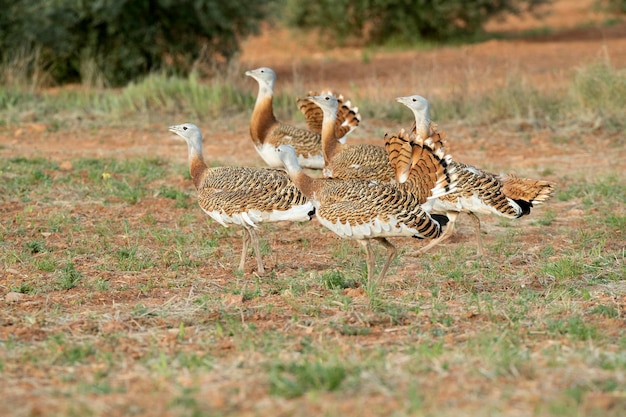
{"x": 348, "y": 161}
{"x": 241, "y": 195}
{"x": 367, "y": 209}
{"x": 267, "y": 132}
{"x": 477, "y": 191}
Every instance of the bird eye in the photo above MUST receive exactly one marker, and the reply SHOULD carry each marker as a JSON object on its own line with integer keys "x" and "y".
{"x": 184, "y": 127}
{"x": 414, "y": 99}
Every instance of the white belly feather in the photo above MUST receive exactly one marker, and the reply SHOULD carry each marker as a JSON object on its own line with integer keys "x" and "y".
{"x": 270, "y": 156}
{"x": 473, "y": 204}
{"x": 254, "y": 217}
{"x": 373, "y": 228}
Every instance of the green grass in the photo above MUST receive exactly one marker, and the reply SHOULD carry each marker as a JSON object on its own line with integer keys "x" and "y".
{"x": 69, "y": 277}
{"x": 294, "y": 379}
{"x": 595, "y": 94}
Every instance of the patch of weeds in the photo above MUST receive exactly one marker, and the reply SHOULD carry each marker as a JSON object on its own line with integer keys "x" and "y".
{"x": 506, "y": 244}
{"x": 264, "y": 247}
{"x": 129, "y": 260}
{"x": 336, "y": 280}
{"x": 57, "y": 221}
{"x": 146, "y": 287}
{"x": 24, "y": 288}
{"x": 187, "y": 400}
{"x": 140, "y": 310}
{"x": 293, "y": 380}
{"x": 70, "y": 353}
{"x": 546, "y": 219}
{"x": 586, "y": 238}
{"x": 77, "y": 353}
{"x": 346, "y": 329}
{"x": 45, "y": 263}
{"x": 573, "y": 326}
{"x": 193, "y": 361}
{"x": 181, "y": 197}
{"x": 126, "y": 192}
{"x": 615, "y": 222}
{"x": 612, "y": 361}
{"x": 394, "y": 313}
{"x": 251, "y": 294}
{"x": 69, "y": 277}
{"x": 101, "y": 284}
{"x": 605, "y": 311}
{"x": 455, "y": 274}
{"x": 563, "y": 268}
{"x": 342, "y": 250}
{"x": 11, "y": 257}
{"x": 101, "y": 387}
{"x": 36, "y": 246}
{"x": 604, "y": 189}
{"x": 546, "y": 251}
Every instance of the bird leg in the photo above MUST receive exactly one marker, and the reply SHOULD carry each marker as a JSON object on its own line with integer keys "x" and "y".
{"x": 391, "y": 253}
{"x": 371, "y": 260}
{"x": 445, "y": 235}
{"x": 479, "y": 238}
{"x": 244, "y": 250}
{"x": 257, "y": 251}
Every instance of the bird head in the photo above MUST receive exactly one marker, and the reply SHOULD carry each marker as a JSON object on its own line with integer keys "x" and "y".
{"x": 418, "y": 104}
{"x": 190, "y": 133}
{"x": 264, "y": 76}
{"x": 289, "y": 158}
{"x": 327, "y": 102}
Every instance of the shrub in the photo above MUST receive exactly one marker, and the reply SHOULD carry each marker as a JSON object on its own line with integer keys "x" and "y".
{"x": 618, "y": 6}
{"x": 400, "y": 20}
{"x": 115, "y": 41}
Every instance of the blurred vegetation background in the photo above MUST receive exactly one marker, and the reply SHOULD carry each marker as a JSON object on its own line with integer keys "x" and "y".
{"x": 112, "y": 42}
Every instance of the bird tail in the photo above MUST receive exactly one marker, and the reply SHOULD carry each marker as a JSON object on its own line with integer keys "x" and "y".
{"x": 526, "y": 192}
{"x": 421, "y": 164}
{"x": 348, "y": 116}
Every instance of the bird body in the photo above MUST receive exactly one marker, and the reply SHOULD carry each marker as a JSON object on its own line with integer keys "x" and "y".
{"x": 477, "y": 191}
{"x": 348, "y": 161}
{"x": 363, "y": 209}
{"x": 243, "y": 196}
{"x": 267, "y": 132}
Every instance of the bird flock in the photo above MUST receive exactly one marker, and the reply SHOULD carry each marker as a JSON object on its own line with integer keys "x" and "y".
{"x": 406, "y": 187}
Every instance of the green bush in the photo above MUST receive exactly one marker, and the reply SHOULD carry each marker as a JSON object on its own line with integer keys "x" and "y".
{"x": 618, "y": 6}
{"x": 379, "y": 21}
{"x": 115, "y": 41}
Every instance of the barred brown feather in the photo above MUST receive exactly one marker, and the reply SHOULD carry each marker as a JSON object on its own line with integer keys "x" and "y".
{"x": 400, "y": 154}
{"x": 365, "y": 209}
{"x": 477, "y": 191}
{"x": 348, "y": 161}
{"x": 267, "y": 132}
{"x": 243, "y": 196}
{"x": 348, "y": 117}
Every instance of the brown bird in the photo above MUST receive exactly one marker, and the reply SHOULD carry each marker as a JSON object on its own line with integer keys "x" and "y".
{"x": 348, "y": 161}
{"x": 267, "y": 132}
{"x": 477, "y": 191}
{"x": 363, "y": 209}
{"x": 243, "y": 196}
